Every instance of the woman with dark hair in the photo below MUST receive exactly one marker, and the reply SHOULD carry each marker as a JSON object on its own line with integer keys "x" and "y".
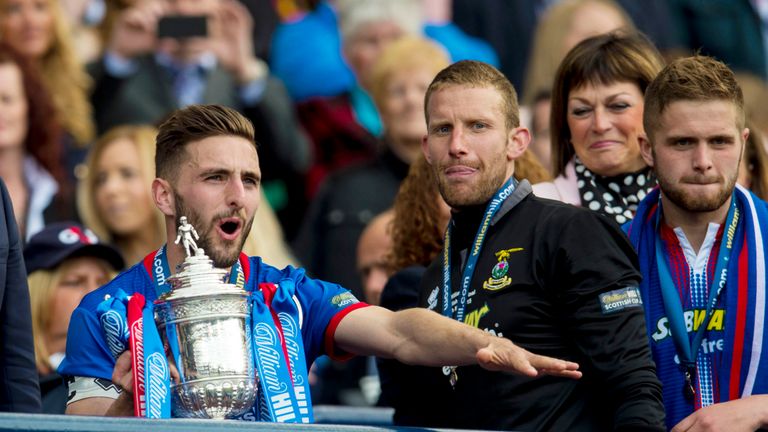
{"x": 596, "y": 120}
{"x": 30, "y": 146}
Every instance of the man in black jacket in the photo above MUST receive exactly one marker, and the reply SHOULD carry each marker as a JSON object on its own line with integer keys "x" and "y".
{"x": 19, "y": 389}
{"x": 555, "y": 279}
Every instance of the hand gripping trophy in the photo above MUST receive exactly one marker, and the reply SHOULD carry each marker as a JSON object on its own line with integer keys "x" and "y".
{"x": 185, "y": 233}
{"x": 205, "y": 325}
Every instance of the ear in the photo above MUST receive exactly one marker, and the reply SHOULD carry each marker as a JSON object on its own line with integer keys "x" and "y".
{"x": 646, "y": 149}
{"x": 425, "y": 149}
{"x": 517, "y": 142}
{"x": 744, "y": 135}
{"x": 162, "y": 194}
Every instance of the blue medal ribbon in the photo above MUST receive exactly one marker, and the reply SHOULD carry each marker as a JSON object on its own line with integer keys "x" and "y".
{"x": 277, "y": 399}
{"x": 157, "y": 379}
{"x": 688, "y": 350}
{"x": 498, "y": 199}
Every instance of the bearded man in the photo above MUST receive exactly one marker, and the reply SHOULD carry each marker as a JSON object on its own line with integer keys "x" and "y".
{"x": 701, "y": 242}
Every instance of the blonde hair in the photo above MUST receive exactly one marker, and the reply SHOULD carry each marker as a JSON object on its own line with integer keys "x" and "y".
{"x": 548, "y": 47}
{"x": 67, "y": 81}
{"x": 42, "y": 286}
{"x": 143, "y": 137}
{"x": 408, "y": 53}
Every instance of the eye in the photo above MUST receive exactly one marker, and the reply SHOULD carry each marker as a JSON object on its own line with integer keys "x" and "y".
{"x": 580, "y": 111}
{"x": 252, "y": 181}
{"x": 619, "y": 106}
{"x": 214, "y": 177}
{"x": 683, "y": 142}
{"x": 441, "y": 130}
{"x": 479, "y": 126}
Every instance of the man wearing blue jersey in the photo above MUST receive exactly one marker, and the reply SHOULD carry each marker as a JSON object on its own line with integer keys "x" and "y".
{"x": 701, "y": 245}
{"x": 208, "y": 170}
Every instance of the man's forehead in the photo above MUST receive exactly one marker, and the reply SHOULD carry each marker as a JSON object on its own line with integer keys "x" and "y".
{"x": 700, "y": 117}
{"x": 465, "y": 98}
{"x": 222, "y": 149}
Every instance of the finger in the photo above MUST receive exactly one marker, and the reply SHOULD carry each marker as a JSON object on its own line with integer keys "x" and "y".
{"x": 572, "y": 374}
{"x": 685, "y": 424}
{"x": 550, "y": 363}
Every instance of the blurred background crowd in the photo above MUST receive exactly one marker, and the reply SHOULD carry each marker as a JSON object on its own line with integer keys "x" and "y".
{"x": 335, "y": 89}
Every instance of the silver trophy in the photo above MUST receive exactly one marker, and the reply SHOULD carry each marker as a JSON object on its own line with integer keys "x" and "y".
{"x": 205, "y": 325}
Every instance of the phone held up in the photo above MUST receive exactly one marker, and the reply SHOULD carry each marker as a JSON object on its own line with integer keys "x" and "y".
{"x": 182, "y": 26}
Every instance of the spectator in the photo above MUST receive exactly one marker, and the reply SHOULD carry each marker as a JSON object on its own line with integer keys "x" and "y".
{"x": 562, "y": 27}
{"x": 20, "y": 390}
{"x": 65, "y": 261}
{"x": 114, "y": 199}
{"x": 30, "y": 146}
{"x": 372, "y": 250}
{"x": 346, "y": 203}
{"x": 38, "y": 30}
{"x": 597, "y": 114}
{"x": 314, "y": 66}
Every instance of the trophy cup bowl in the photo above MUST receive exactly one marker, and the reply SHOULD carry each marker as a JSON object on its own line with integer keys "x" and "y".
{"x": 205, "y": 325}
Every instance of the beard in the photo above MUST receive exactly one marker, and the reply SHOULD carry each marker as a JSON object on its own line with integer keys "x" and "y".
{"x": 697, "y": 203}
{"x": 464, "y": 195}
{"x": 223, "y": 253}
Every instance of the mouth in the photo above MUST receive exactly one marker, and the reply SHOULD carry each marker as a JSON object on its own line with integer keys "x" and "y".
{"x": 229, "y": 228}
{"x": 603, "y": 144}
{"x": 459, "y": 171}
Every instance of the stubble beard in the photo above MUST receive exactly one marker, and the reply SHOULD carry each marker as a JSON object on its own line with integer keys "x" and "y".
{"x": 463, "y": 196}
{"x": 222, "y": 257}
{"x": 697, "y": 203}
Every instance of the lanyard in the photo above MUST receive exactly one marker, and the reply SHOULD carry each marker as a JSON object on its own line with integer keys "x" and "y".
{"x": 161, "y": 272}
{"x": 687, "y": 351}
{"x": 498, "y": 199}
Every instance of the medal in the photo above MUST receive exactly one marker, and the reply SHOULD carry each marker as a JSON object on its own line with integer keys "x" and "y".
{"x": 450, "y": 372}
{"x": 689, "y": 391}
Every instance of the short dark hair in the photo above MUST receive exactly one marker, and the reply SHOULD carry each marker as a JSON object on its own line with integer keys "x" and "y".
{"x": 478, "y": 74}
{"x": 605, "y": 59}
{"x": 696, "y": 78}
{"x": 194, "y": 123}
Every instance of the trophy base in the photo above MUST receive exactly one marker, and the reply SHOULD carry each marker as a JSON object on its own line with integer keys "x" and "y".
{"x": 221, "y": 397}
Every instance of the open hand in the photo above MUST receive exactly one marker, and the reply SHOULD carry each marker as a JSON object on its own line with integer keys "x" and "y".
{"x": 503, "y": 355}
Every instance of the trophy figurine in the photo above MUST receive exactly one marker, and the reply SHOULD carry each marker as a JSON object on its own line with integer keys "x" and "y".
{"x": 205, "y": 325}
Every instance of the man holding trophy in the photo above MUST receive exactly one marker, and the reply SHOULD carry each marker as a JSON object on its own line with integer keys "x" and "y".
{"x": 239, "y": 335}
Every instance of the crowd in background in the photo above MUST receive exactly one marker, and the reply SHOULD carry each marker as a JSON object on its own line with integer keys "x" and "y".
{"x": 335, "y": 89}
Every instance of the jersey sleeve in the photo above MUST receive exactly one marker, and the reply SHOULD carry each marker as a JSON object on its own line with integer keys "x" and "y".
{"x": 323, "y": 306}
{"x": 87, "y": 351}
{"x": 596, "y": 286}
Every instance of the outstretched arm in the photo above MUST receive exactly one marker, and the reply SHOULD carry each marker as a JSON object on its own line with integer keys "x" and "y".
{"x": 419, "y": 336}
{"x": 740, "y": 415}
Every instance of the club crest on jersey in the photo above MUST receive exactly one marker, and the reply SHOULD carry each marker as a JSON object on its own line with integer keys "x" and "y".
{"x": 499, "y": 278}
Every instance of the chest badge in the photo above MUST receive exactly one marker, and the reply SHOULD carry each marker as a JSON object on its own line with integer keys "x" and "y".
{"x": 499, "y": 278}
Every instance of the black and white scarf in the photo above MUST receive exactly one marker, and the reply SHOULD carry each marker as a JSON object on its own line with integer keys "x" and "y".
{"x": 615, "y": 197}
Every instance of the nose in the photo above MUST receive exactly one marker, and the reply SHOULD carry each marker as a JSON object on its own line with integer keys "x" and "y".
{"x": 235, "y": 193}
{"x": 456, "y": 146}
{"x": 111, "y": 184}
{"x": 601, "y": 121}
{"x": 702, "y": 158}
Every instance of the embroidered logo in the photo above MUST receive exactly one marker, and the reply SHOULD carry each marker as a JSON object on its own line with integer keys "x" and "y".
{"x": 499, "y": 278}
{"x": 432, "y": 299}
{"x": 620, "y": 299}
{"x": 343, "y": 299}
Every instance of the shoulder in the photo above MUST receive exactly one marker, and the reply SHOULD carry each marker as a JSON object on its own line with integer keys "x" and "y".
{"x": 133, "y": 280}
